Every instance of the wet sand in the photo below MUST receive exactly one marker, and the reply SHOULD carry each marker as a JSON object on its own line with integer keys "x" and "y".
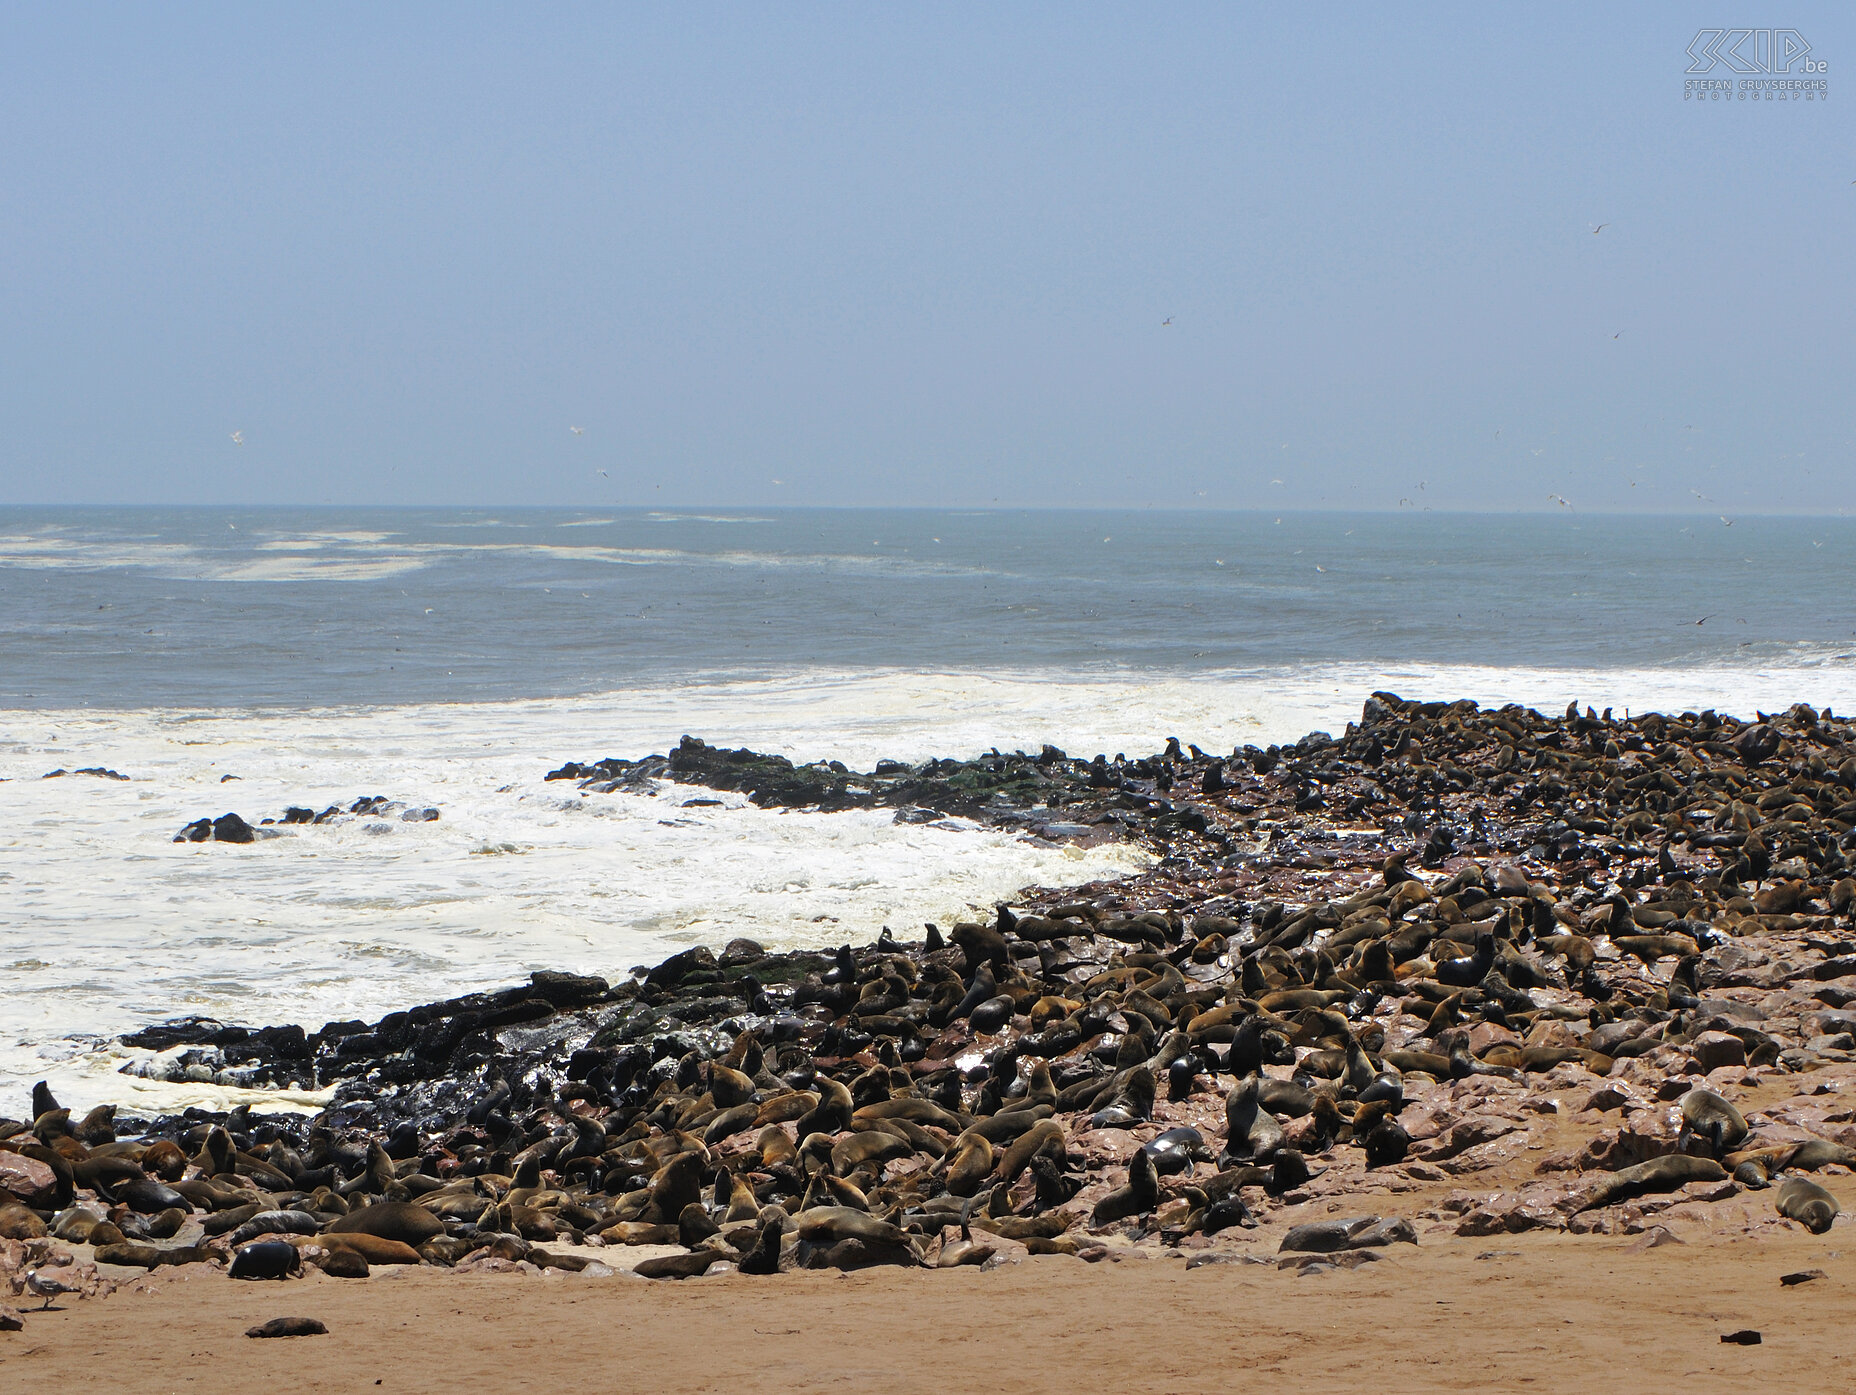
{"x": 1540, "y": 1312}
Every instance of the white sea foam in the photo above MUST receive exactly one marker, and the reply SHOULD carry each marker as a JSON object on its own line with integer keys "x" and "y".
{"x": 106, "y": 924}
{"x": 373, "y": 556}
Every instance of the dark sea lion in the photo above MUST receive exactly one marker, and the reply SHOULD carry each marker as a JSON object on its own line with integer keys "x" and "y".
{"x": 288, "y": 1327}
{"x": 1131, "y": 1103}
{"x": 267, "y": 1259}
{"x": 275, "y": 1223}
{"x": 149, "y": 1197}
{"x": 764, "y": 1258}
{"x": 1807, "y": 1203}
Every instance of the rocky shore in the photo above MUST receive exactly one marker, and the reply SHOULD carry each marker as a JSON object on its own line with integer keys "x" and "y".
{"x": 1455, "y": 971}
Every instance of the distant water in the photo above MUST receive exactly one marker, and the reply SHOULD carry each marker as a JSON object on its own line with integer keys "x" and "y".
{"x": 239, "y": 608}
{"x": 450, "y": 658}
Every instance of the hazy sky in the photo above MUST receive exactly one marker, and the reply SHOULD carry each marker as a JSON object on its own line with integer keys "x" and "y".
{"x": 887, "y": 254}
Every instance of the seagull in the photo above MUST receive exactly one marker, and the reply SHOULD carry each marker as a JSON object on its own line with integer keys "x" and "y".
{"x": 1704, "y": 620}
{"x": 1167, "y": 321}
{"x": 577, "y": 430}
{"x": 1616, "y": 335}
{"x": 1728, "y": 521}
{"x": 41, "y": 1285}
{"x": 1600, "y": 228}
{"x": 604, "y": 476}
{"x": 1560, "y": 500}
{"x": 238, "y": 438}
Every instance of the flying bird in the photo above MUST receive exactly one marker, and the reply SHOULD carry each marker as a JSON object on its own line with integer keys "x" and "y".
{"x": 604, "y": 476}
{"x": 238, "y": 438}
{"x": 577, "y": 430}
{"x": 1704, "y": 620}
{"x": 1726, "y": 520}
{"x": 1616, "y": 335}
{"x": 1600, "y": 228}
{"x": 1167, "y": 321}
{"x": 1560, "y": 499}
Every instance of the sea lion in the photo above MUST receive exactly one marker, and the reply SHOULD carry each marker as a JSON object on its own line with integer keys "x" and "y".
{"x": 1250, "y": 1130}
{"x": 404, "y": 1221}
{"x": 1662, "y": 1174}
{"x": 764, "y": 1258}
{"x": 267, "y": 1259}
{"x": 1139, "y": 1196}
{"x": 825, "y": 1224}
{"x": 288, "y": 1327}
{"x": 684, "y": 1266}
{"x": 1807, "y": 1203}
{"x": 970, "y": 1164}
{"x": 344, "y": 1264}
{"x": 1708, "y": 1116}
{"x": 1043, "y": 1136}
{"x": 375, "y": 1249}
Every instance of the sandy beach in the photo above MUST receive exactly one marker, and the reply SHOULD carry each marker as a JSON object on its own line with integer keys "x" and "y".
{"x": 1548, "y": 1313}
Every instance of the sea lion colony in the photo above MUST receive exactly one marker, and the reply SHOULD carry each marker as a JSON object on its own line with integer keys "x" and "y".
{"x": 1416, "y": 955}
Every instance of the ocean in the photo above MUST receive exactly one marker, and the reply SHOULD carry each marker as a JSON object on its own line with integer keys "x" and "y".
{"x": 251, "y": 659}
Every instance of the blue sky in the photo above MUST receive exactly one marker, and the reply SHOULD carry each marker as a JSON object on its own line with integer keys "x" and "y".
{"x": 890, "y": 255}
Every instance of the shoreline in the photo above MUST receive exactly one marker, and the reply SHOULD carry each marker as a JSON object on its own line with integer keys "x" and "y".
{"x": 1485, "y": 961}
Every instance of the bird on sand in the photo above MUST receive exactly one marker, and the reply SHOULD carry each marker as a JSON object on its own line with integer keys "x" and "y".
{"x": 42, "y": 1285}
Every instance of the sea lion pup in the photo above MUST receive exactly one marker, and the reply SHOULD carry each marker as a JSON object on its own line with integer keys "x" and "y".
{"x": 1662, "y": 1174}
{"x": 1387, "y": 1142}
{"x": 1802, "y": 1200}
{"x": 1251, "y": 1132}
{"x": 1709, "y": 1116}
{"x": 1139, "y": 1196}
